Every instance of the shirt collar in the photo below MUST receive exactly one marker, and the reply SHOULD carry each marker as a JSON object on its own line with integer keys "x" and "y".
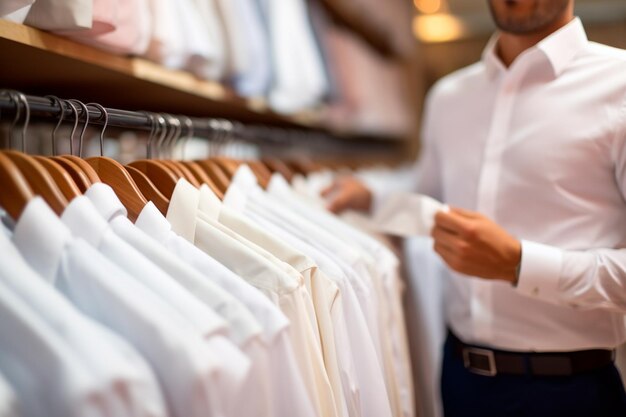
{"x": 242, "y": 185}
{"x": 41, "y": 238}
{"x": 106, "y": 201}
{"x": 209, "y": 203}
{"x": 181, "y": 213}
{"x": 153, "y": 223}
{"x": 84, "y": 220}
{"x": 559, "y": 48}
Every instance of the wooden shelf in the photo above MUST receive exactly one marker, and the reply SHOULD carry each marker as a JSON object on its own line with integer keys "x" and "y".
{"x": 39, "y": 63}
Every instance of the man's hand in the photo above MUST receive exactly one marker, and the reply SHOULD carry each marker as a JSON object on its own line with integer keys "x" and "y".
{"x": 348, "y": 193}
{"x": 474, "y": 245}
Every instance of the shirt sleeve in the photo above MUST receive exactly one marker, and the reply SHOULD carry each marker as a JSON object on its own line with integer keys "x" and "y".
{"x": 582, "y": 279}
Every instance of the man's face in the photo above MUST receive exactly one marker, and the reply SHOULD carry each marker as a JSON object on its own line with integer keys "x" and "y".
{"x": 525, "y": 17}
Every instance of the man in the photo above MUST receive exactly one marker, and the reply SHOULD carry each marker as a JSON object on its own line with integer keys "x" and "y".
{"x": 528, "y": 147}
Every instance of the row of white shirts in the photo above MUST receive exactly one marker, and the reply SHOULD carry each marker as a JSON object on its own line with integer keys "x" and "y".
{"x": 264, "y": 47}
{"x": 260, "y": 305}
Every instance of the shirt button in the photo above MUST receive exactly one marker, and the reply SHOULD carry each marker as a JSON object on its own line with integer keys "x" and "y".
{"x": 535, "y": 291}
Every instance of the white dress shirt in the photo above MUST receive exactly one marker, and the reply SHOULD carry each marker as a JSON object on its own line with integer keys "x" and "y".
{"x": 187, "y": 368}
{"x": 385, "y": 268}
{"x": 278, "y": 281}
{"x": 217, "y": 300}
{"x": 84, "y": 221}
{"x": 373, "y": 392}
{"x": 128, "y": 382}
{"x": 540, "y": 148}
{"x": 324, "y": 292}
{"x": 47, "y": 378}
{"x": 288, "y": 395}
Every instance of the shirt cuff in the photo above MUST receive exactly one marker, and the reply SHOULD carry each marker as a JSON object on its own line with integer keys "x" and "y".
{"x": 540, "y": 271}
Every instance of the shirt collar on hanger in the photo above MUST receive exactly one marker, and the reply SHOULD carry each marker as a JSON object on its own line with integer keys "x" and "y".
{"x": 106, "y": 201}
{"x": 559, "y": 48}
{"x": 41, "y": 238}
{"x": 152, "y": 222}
{"x": 183, "y": 208}
{"x": 241, "y": 185}
{"x": 209, "y": 203}
{"x": 84, "y": 220}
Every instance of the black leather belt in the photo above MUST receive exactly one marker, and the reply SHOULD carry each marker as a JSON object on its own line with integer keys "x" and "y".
{"x": 490, "y": 362}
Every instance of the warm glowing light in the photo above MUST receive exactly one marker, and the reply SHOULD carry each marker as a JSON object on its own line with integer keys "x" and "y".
{"x": 428, "y": 6}
{"x": 438, "y": 28}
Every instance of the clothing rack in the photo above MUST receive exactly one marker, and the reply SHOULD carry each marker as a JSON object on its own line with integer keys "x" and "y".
{"x": 275, "y": 140}
{"x": 48, "y": 109}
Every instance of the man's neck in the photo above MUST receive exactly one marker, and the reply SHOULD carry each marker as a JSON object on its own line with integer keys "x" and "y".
{"x": 511, "y": 45}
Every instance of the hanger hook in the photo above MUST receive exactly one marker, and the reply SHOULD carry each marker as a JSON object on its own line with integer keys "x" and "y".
{"x": 153, "y": 130}
{"x": 176, "y": 134}
{"x": 84, "y": 128}
{"x": 24, "y": 101}
{"x": 190, "y": 132}
{"x": 103, "y": 113}
{"x": 56, "y": 101}
{"x": 163, "y": 123}
{"x": 75, "y": 126}
{"x": 18, "y": 113}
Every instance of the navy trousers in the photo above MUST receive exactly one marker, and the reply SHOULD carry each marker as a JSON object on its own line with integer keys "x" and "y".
{"x": 599, "y": 393}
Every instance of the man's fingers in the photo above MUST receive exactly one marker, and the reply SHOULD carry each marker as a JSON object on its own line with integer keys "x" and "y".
{"x": 452, "y": 221}
{"x": 330, "y": 189}
{"x": 464, "y": 213}
{"x": 452, "y": 241}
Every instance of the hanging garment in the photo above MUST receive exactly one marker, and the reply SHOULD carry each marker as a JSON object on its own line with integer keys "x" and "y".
{"x": 255, "y": 78}
{"x": 243, "y": 195}
{"x": 187, "y": 368}
{"x": 288, "y": 395}
{"x": 325, "y": 295}
{"x": 132, "y": 31}
{"x": 104, "y": 19}
{"x": 278, "y": 281}
{"x": 15, "y": 10}
{"x": 61, "y": 14}
{"x": 233, "y": 312}
{"x": 299, "y": 80}
{"x": 129, "y": 385}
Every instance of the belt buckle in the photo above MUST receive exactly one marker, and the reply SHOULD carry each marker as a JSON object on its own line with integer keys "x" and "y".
{"x": 468, "y": 352}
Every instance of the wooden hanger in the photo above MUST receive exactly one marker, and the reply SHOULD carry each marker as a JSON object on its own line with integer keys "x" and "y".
{"x": 276, "y": 165}
{"x": 159, "y": 174}
{"x": 215, "y": 173}
{"x": 16, "y": 192}
{"x": 263, "y": 175}
{"x": 65, "y": 182}
{"x": 113, "y": 173}
{"x": 203, "y": 177}
{"x": 148, "y": 189}
{"x": 40, "y": 181}
{"x": 78, "y": 175}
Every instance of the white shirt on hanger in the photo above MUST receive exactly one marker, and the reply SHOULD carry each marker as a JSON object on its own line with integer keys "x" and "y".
{"x": 278, "y": 281}
{"x": 324, "y": 292}
{"x": 373, "y": 398}
{"x": 128, "y": 382}
{"x": 186, "y": 367}
{"x": 288, "y": 395}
